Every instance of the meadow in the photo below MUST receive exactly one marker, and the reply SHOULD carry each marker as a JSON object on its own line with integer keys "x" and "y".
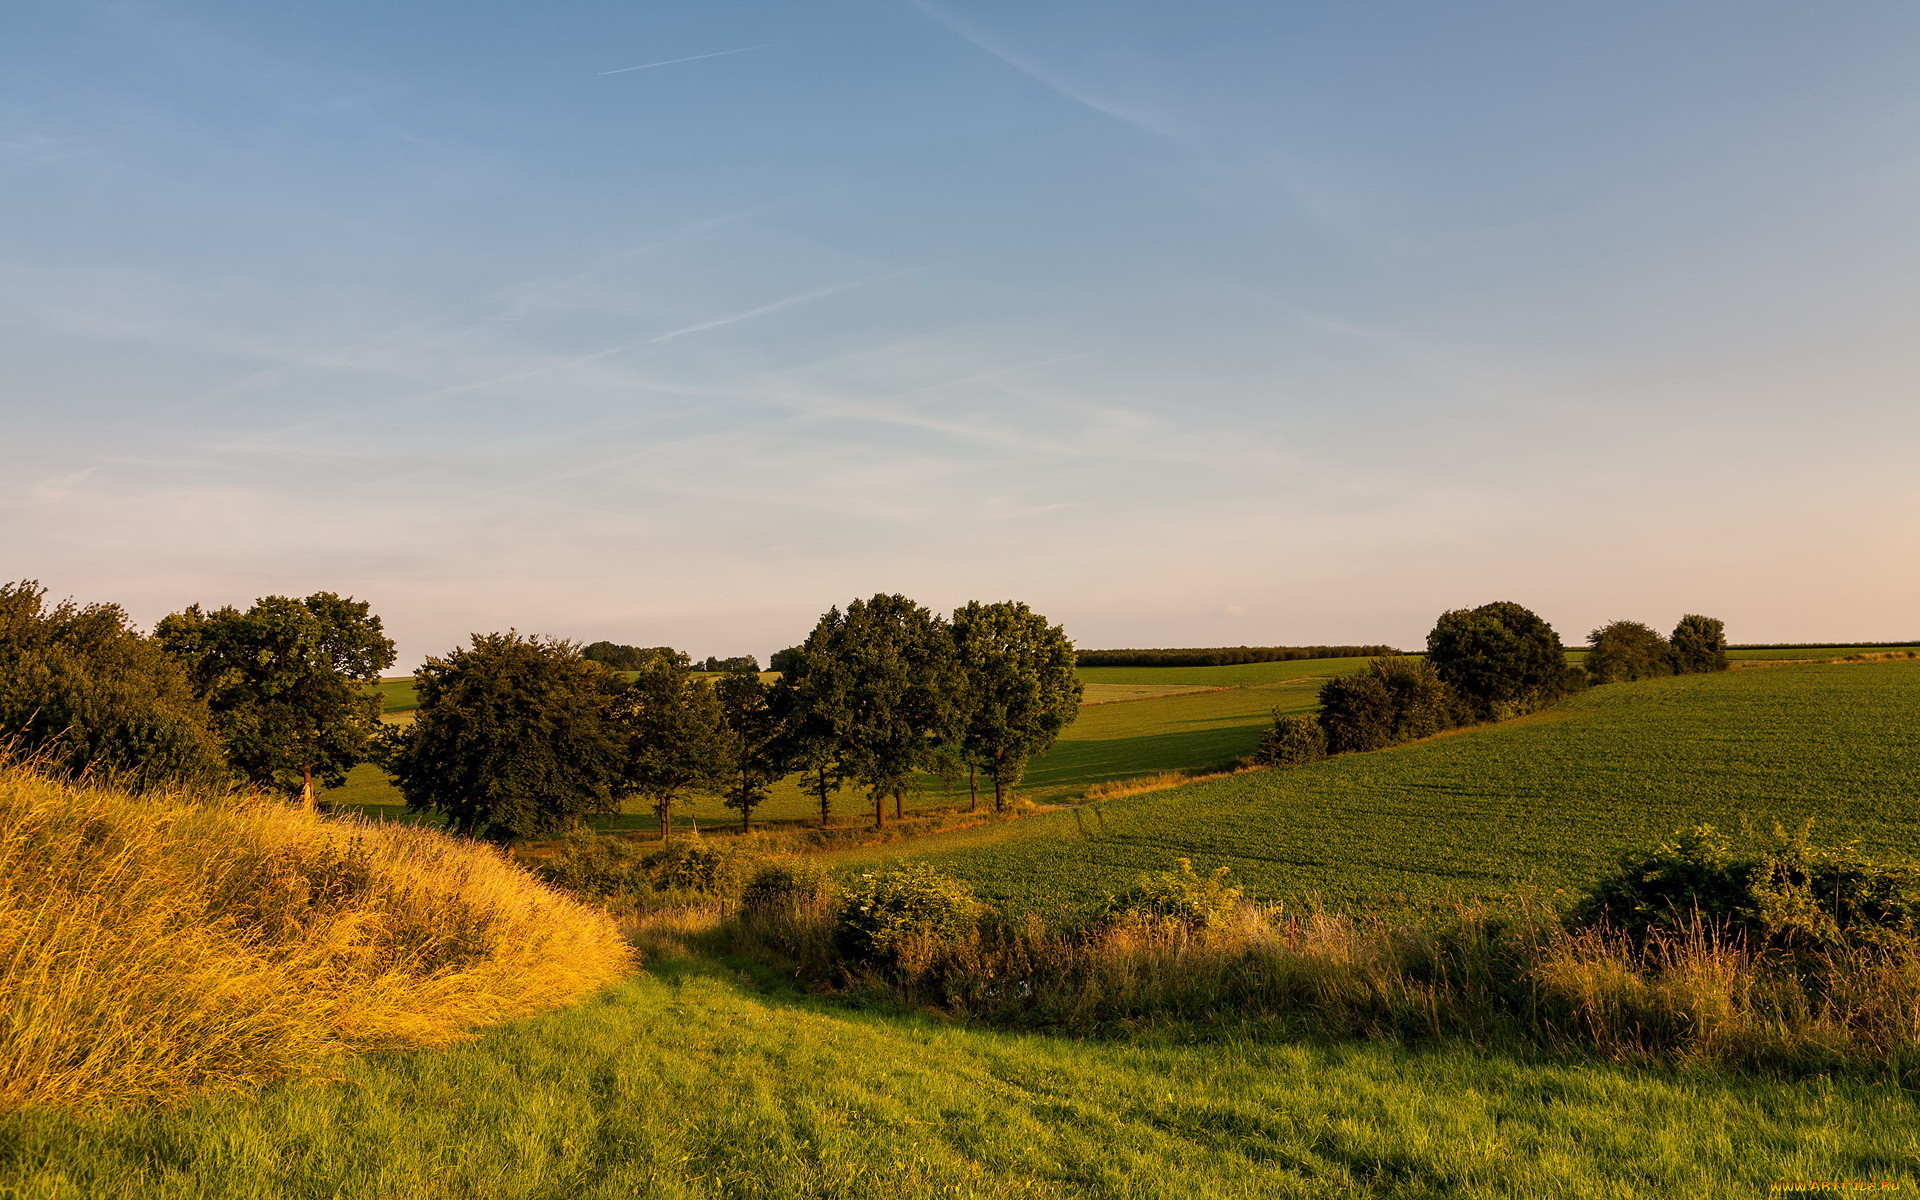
{"x": 694, "y": 1079}
{"x": 1538, "y": 803}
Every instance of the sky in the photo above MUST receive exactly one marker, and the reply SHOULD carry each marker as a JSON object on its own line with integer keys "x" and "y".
{"x": 1188, "y": 324}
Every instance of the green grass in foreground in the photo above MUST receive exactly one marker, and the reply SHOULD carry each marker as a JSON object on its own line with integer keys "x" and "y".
{"x": 1546, "y": 799}
{"x": 685, "y": 1083}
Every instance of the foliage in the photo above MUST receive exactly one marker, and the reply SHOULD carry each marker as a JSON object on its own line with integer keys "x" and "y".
{"x": 744, "y": 662}
{"x": 1699, "y": 645}
{"x": 781, "y": 661}
{"x": 809, "y": 732}
{"x": 789, "y": 884}
{"x": 1500, "y": 658}
{"x": 1392, "y": 700}
{"x": 513, "y": 738}
{"x": 690, "y": 866}
{"x": 1224, "y": 656}
{"x": 1357, "y": 713}
{"x": 881, "y": 683}
{"x": 674, "y": 738}
{"x": 1019, "y": 688}
{"x": 757, "y": 753}
{"x": 1291, "y": 740}
{"x": 81, "y": 690}
{"x": 1624, "y": 651}
{"x": 173, "y": 941}
{"x": 882, "y": 910}
{"x": 1180, "y": 897}
{"x": 285, "y": 681}
{"x": 1789, "y": 893}
{"x": 616, "y": 657}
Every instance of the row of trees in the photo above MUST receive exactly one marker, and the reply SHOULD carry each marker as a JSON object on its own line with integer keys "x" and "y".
{"x": 275, "y": 695}
{"x": 1222, "y": 656}
{"x": 519, "y": 736}
{"x": 1482, "y": 664}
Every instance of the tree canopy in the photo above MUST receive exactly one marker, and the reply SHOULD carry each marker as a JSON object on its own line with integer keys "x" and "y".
{"x": 632, "y": 658}
{"x": 1019, "y": 688}
{"x": 286, "y": 683}
{"x": 1623, "y": 651}
{"x": 1699, "y": 645}
{"x": 757, "y": 751}
{"x": 512, "y": 739}
{"x": 1500, "y": 658}
{"x": 673, "y": 738}
{"x": 82, "y": 690}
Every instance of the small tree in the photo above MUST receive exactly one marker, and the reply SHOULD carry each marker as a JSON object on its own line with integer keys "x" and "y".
{"x": 1357, "y": 712}
{"x": 810, "y": 728}
{"x": 286, "y": 681}
{"x": 675, "y": 738}
{"x": 1500, "y": 658}
{"x": 1291, "y": 740}
{"x": 1699, "y": 645}
{"x": 82, "y": 690}
{"x": 511, "y": 740}
{"x": 1018, "y": 689}
{"x": 1623, "y": 651}
{"x": 758, "y": 753}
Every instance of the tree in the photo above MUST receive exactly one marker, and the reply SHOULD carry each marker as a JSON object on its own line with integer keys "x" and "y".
{"x": 782, "y": 660}
{"x": 1500, "y": 658}
{"x": 1290, "y": 741}
{"x": 82, "y": 690}
{"x": 513, "y": 738}
{"x": 881, "y": 677}
{"x": 758, "y": 753}
{"x": 1388, "y": 701}
{"x": 1623, "y": 651}
{"x": 810, "y": 730}
{"x": 1699, "y": 645}
{"x": 286, "y": 681}
{"x": 632, "y": 658}
{"x": 1019, "y": 689}
{"x": 1357, "y": 713}
{"x": 674, "y": 737}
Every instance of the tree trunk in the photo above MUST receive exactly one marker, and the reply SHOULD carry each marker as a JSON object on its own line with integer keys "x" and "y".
{"x": 826, "y": 817}
{"x": 660, "y": 810}
{"x": 899, "y": 802}
{"x": 879, "y": 810}
{"x": 746, "y": 814}
{"x": 306, "y": 786}
{"x": 999, "y": 786}
{"x": 973, "y": 788}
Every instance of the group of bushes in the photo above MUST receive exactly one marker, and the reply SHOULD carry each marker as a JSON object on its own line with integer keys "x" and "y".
{"x": 1791, "y": 956}
{"x": 1482, "y": 664}
{"x": 1225, "y": 655}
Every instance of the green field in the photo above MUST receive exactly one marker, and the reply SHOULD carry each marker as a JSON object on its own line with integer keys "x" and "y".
{"x": 1540, "y": 801}
{"x": 688, "y": 1082}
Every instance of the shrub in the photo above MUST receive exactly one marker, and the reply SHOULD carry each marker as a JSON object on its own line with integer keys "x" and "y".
{"x": 1357, "y": 713}
{"x": 787, "y": 886}
{"x": 1699, "y": 645}
{"x": 690, "y": 867}
{"x": 1423, "y": 705}
{"x": 1180, "y": 897}
{"x": 911, "y": 901}
{"x": 1789, "y": 894}
{"x": 1289, "y": 741}
{"x": 1624, "y": 651}
{"x": 1500, "y": 658}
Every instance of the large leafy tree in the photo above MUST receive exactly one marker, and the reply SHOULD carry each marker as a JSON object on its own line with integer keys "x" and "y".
{"x": 882, "y": 677}
{"x": 674, "y": 738}
{"x": 758, "y": 754}
{"x": 513, "y": 738}
{"x": 1500, "y": 658}
{"x": 286, "y": 681}
{"x": 1019, "y": 689}
{"x": 1623, "y": 651}
{"x": 1699, "y": 644}
{"x": 82, "y": 690}
{"x": 810, "y": 730}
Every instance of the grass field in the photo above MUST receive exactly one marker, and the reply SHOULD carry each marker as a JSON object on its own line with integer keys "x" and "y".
{"x": 687, "y": 1082}
{"x": 1544, "y": 800}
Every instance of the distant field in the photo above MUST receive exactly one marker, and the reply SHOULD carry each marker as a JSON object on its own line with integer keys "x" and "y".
{"x": 1546, "y": 799}
{"x": 1805, "y": 653}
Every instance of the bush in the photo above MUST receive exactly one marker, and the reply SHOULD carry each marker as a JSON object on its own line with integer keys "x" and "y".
{"x": 1699, "y": 645}
{"x": 1391, "y": 700}
{"x": 1500, "y": 658}
{"x": 690, "y": 867}
{"x": 1289, "y": 741}
{"x": 786, "y": 887}
{"x": 1180, "y": 897}
{"x": 1789, "y": 894}
{"x": 1624, "y": 651}
{"x": 1357, "y": 713}
{"x": 911, "y": 901}
{"x": 1423, "y": 705}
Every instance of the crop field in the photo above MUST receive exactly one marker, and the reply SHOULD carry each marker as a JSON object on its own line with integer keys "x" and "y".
{"x": 617, "y": 1098}
{"x": 1543, "y": 801}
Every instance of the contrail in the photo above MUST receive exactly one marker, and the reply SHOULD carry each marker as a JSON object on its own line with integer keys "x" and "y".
{"x": 667, "y": 62}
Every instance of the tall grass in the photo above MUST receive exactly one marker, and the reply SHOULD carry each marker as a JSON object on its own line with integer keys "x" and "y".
{"x": 157, "y": 944}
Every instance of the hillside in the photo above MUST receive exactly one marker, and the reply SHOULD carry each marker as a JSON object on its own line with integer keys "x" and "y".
{"x": 1543, "y": 800}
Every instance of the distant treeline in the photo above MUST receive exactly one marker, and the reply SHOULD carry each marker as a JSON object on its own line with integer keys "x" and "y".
{"x": 1821, "y": 645}
{"x": 1222, "y": 656}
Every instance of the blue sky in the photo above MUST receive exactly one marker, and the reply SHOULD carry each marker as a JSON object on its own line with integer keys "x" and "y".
{"x": 1208, "y": 324}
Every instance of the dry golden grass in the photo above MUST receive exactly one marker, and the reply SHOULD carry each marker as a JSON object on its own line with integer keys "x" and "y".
{"x": 1113, "y": 789}
{"x": 159, "y": 944}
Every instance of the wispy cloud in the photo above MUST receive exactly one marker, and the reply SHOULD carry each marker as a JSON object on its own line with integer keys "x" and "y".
{"x": 668, "y": 62}
{"x": 1048, "y": 77}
